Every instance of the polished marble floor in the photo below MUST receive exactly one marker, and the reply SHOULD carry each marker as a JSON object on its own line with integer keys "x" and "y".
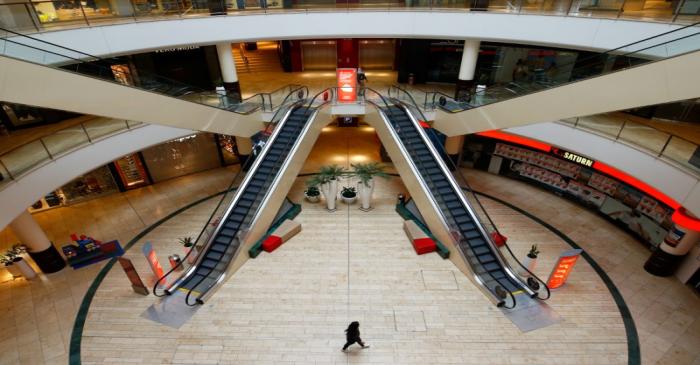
{"x": 291, "y": 306}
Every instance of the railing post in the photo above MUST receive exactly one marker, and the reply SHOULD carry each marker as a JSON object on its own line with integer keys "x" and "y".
{"x": 624, "y": 122}
{"x": 83, "y": 11}
{"x": 622, "y": 7}
{"x": 668, "y": 140}
{"x": 9, "y": 174}
{"x": 677, "y": 10}
{"x": 82, "y": 125}
{"x": 133, "y": 7}
{"x": 46, "y": 148}
{"x": 32, "y": 16}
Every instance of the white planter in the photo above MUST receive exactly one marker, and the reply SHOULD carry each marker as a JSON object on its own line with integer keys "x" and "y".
{"x": 13, "y": 270}
{"x": 530, "y": 264}
{"x": 312, "y": 199}
{"x": 348, "y": 200}
{"x": 330, "y": 192}
{"x": 25, "y": 269}
{"x": 365, "y": 192}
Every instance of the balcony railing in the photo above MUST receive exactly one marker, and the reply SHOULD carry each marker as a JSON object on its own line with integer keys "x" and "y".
{"x": 36, "y": 153}
{"x": 39, "y": 16}
{"x": 625, "y": 129}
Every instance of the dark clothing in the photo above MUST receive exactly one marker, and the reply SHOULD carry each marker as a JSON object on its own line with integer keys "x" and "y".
{"x": 352, "y": 341}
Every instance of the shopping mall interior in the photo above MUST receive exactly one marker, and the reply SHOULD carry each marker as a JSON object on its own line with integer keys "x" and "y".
{"x": 237, "y": 182}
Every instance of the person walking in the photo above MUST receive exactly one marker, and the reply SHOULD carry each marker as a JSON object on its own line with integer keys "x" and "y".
{"x": 352, "y": 335}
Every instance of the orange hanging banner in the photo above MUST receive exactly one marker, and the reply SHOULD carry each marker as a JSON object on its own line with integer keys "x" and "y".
{"x": 152, "y": 259}
{"x": 562, "y": 269}
{"x": 347, "y": 85}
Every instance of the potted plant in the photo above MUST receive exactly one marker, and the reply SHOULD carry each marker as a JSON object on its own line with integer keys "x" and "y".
{"x": 349, "y": 194}
{"x": 312, "y": 194}
{"x": 15, "y": 264}
{"x": 366, "y": 172}
{"x": 531, "y": 260}
{"x": 188, "y": 244}
{"x": 327, "y": 181}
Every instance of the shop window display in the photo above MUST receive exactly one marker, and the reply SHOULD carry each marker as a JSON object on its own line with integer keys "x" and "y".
{"x": 131, "y": 171}
{"x": 641, "y": 215}
{"x": 228, "y": 148}
{"x": 96, "y": 183}
{"x": 182, "y": 156}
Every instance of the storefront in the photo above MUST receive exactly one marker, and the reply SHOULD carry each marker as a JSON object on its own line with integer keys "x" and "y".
{"x": 17, "y": 116}
{"x": 183, "y": 156}
{"x": 574, "y": 177}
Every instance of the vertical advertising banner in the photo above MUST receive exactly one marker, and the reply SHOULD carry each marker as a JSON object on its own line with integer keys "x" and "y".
{"x": 153, "y": 261}
{"x": 562, "y": 269}
{"x": 347, "y": 85}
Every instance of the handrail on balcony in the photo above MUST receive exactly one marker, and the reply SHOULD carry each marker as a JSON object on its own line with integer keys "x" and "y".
{"x": 38, "y": 16}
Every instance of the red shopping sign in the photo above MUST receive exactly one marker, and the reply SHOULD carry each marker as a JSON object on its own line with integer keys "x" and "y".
{"x": 347, "y": 85}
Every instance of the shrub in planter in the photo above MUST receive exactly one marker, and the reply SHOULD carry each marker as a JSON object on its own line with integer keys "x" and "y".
{"x": 188, "y": 244}
{"x": 312, "y": 194}
{"x": 530, "y": 261}
{"x": 349, "y": 194}
{"x": 366, "y": 172}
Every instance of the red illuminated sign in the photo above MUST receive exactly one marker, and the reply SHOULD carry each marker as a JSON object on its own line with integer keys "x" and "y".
{"x": 153, "y": 261}
{"x": 347, "y": 85}
{"x": 562, "y": 269}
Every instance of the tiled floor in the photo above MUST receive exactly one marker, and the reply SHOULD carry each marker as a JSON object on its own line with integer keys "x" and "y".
{"x": 291, "y": 306}
{"x": 666, "y": 313}
{"x": 39, "y": 314}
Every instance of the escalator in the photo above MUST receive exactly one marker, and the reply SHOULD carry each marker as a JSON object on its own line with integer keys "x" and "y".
{"x": 107, "y": 87}
{"x": 654, "y": 70}
{"x": 225, "y": 242}
{"x": 491, "y": 271}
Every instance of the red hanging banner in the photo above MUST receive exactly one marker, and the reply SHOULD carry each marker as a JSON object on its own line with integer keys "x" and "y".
{"x": 562, "y": 269}
{"x": 347, "y": 85}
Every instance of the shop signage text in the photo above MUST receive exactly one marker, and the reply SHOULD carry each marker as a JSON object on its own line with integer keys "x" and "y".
{"x": 562, "y": 269}
{"x": 177, "y": 49}
{"x": 573, "y": 157}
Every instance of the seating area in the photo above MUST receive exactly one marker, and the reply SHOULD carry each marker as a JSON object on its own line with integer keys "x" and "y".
{"x": 282, "y": 234}
{"x": 422, "y": 244}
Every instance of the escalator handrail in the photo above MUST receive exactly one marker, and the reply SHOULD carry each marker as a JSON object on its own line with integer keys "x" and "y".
{"x": 296, "y": 104}
{"x": 201, "y": 232}
{"x": 258, "y": 160}
{"x": 174, "y": 83}
{"x": 402, "y": 146}
{"x": 200, "y": 255}
{"x": 510, "y": 277}
{"x": 463, "y": 178}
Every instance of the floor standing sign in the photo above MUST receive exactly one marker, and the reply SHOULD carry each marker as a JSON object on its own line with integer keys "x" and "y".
{"x": 133, "y": 276}
{"x": 562, "y": 269}
{"x": 153, "y": 261}
{"x": 347, "y": 85}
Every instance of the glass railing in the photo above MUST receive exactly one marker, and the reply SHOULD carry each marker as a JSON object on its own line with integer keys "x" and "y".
{"x": 25, "y": 158}
{"x": 531, "y": 80}
{"x": 27, "y": 48}
{"x": 38, "y": 16}
{"x": 618, "y": 127}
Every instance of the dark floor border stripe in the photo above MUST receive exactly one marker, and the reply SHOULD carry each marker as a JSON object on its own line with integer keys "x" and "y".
{"x": 79, "y": 324}
{"x": 633, "y": 351}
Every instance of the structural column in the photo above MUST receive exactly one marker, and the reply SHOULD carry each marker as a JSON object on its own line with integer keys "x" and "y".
{"x": 228, "y": 71}
{"x": 453, "y": 146}
{"x": 465, "y": 80}
{"x": 38, "y": 245}
{"x": 684, "y": 234}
